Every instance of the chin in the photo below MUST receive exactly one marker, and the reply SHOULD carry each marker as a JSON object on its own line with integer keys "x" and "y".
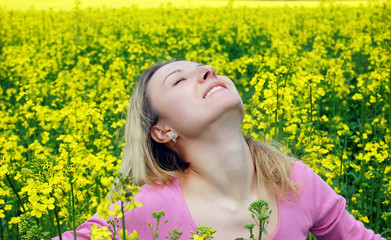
{"x": 233, "y": 102}
{"x": 232, "y": 107}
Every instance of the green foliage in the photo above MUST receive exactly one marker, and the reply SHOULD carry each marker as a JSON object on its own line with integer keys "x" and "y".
{"x": 29, "y": 230}
{"x": 317, "y": 79}
{"x": 157, "y": 216}
{"x": 203, "y": 233}
{"x": 174, "y": 234}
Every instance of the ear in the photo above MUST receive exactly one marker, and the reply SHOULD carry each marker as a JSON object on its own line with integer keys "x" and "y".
{"x": 161, "y": 135}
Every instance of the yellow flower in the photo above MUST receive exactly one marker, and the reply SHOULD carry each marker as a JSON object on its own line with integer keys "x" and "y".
{"x": 357, "y": 96}
{"x": 58, "y": 194}
{"x": 107, "y": 181}
{"x": 365, "y": 136}
{"x": 103, "y": 210}
{"x": 37, "y": 210}
{"x": 63, "y": 212}
{"x": 100, "y": 233}
{"x": 197, "y": 237}
{"x": 48, "y": 202}
{"x": 15, "y": 220}
{"x": 116, "y": 211}
{"x": 73, "y": 104}
{"x": 133, "y": 205}
{"x": 133, "y": 235}
{"x": 7, "y": 207}
{"x": 364, "y": 219}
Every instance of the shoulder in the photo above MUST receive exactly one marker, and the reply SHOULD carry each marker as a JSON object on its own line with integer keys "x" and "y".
{"x": 314, "y": 193}
{"x": 299, "y": 168}
{"x": 160, "y": 190}
{"x": 302, "y": 174}
{"x": 157, "y": 196}
{"x": 309, "y": 182}
{"x": 167, "y": 198}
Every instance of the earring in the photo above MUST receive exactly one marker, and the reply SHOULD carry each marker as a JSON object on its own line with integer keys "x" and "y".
{"x": 173, "y": 138}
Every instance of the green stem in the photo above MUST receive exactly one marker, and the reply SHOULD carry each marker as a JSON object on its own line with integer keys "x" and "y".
{"x": 70, "y": 179}
{"x": 309, "y": 236}
{"x": 276, "y": 115}
{"x": 73, "y": 212}
{"x": 378, "y": 200}
{"x": 123, "y": 221}
{"x": 341, "y": 166}
{"x": 1, "y": 229}
{"x": 372, "y": 196}
{"x": 389, "y": 103}
{"x": 340, "y": 170}
{"x": 51, "y": 221}
{"x": 362, "y": 167}
{"x": 362, "y": 125}
{"x": 346, "y": 175}
{"x": 58, "y": 222}
{"x": 333, "y": 99}
{"x": 114, "y": 228}
{"x": 16, "y": 193}
{"x": 260, "y": 235}
{"x": 157, "y": 229}
{"x": 260, "y": 231}
{"x": 311, "y": 102}
{"x": 252, "y": 234}
{"x": 281, "y": 124}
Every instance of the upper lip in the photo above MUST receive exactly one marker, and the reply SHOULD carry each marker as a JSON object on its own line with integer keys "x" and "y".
{"x": 212, "y": 85}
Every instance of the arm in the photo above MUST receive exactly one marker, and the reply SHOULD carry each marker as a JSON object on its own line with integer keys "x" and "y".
{"x": 82, "y": 232}
{"x": 133, "y": 221}
{"x": 331, "y": 220}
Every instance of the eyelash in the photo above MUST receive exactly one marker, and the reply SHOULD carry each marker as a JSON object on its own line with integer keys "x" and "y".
{"x": 179, "y": 80}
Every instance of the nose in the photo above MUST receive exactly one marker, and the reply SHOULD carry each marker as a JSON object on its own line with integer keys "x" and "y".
{"x": 207, "y": 72}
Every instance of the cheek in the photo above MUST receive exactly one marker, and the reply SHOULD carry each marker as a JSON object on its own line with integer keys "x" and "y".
{"x": 183, "y": 113}
{"x": 182, "y": 107}
{"x": 175, "y": 106}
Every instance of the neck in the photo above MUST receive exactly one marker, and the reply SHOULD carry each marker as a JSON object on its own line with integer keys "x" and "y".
{"x": 220, "y": 165}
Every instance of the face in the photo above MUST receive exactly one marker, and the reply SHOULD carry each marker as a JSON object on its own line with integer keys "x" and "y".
{"x": 189, "y": 97}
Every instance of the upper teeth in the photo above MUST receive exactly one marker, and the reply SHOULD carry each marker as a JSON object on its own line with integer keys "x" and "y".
{"x": 212, "y": 91}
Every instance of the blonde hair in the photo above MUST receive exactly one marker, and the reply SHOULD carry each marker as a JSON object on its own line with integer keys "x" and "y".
{"x": 149, "y": 162}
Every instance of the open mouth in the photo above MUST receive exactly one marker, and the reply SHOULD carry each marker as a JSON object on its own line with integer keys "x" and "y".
{"x": 212, "y": 90}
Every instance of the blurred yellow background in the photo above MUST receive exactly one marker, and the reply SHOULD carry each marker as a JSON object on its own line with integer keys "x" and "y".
{"x": 69, "y": 4}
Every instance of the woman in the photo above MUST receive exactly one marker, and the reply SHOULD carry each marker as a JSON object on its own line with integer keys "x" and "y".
{"x": 183, "y": 142}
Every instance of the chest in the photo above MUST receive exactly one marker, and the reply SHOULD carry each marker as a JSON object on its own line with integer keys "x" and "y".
{"x": 229, "y": 219}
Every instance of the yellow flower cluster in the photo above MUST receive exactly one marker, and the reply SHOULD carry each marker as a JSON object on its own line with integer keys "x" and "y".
{"x": 316, "y": 79}
{"x": 104, "y": 234}
{"x": 203, "y": 233}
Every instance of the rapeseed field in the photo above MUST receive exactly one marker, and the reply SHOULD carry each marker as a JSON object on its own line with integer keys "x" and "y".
{"x": 315, "y": 79}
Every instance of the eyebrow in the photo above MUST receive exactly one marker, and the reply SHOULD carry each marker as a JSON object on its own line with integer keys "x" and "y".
{"x": 176, "y": 71}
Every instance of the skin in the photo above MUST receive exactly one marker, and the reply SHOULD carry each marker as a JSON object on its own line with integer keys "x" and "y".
{"x": 220, "y": 182}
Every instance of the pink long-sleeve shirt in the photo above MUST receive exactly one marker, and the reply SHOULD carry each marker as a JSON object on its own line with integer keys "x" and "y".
{"x": 318, "y": 210}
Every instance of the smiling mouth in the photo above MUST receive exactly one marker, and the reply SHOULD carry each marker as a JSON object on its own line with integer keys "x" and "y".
{"x": 214, "y": 89}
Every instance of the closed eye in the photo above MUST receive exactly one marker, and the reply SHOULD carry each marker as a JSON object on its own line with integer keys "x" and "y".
{"x": 179, "y": 80}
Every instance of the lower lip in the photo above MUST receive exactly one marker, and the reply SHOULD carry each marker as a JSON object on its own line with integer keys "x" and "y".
{"x": 215, "y": 92}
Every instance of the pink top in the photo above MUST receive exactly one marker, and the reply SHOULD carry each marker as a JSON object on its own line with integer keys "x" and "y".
{"x": 319, "y": 210}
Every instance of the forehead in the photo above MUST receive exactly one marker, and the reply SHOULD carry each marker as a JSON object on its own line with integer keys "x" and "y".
{"x": 162, "y": 72}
